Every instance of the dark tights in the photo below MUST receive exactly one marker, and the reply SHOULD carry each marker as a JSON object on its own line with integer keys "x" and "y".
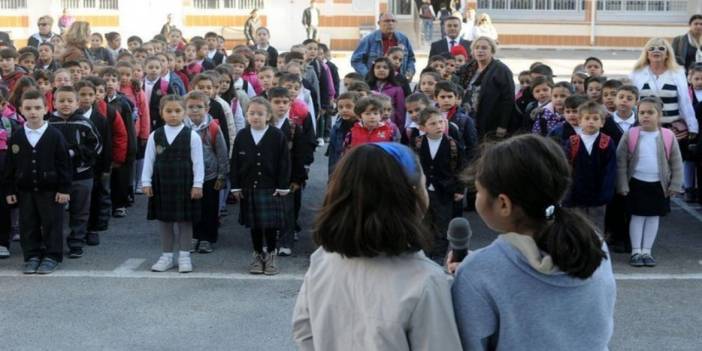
{"x": 257, "y": 236}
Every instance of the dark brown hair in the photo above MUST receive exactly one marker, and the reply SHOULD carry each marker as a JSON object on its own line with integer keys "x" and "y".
{"x": 534, "y": 173}
{"x": 371, "y": 207}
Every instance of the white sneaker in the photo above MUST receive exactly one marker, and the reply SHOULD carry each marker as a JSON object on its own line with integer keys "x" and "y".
{"x": 164, "y": 263}
{"x": 320, "y": 141}
{"x": 284, "y": 251}
{"x": 185, "y": 265}
{"x": 4, "y": 252}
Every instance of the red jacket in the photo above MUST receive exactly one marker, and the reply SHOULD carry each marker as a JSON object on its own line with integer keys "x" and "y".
{"x": 11, "y": 79}
{"x": 298, "y": 112}
{"x": 119, "y": 132}
{"x": 360, "y": 135}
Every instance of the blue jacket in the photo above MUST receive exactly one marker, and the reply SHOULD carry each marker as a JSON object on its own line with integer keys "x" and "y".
{"x": 371, "y": 47}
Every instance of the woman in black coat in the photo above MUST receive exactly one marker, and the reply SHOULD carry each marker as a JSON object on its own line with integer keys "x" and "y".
{"x": 489, "y": 89}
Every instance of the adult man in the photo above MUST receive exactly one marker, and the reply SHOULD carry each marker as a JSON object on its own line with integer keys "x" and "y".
{"x": 452, "y": 26}
{"x": 310, "y": 19}
{"x": 377, "y": 43}
{"x": 45, "y": 34}
{"x": 688, "y": 47}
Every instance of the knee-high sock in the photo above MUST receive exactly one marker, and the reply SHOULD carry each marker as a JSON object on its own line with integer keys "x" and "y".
{"x": 167, "y": 235}
{"x": 650, "y": 232}
{"x": 636, "y": 228}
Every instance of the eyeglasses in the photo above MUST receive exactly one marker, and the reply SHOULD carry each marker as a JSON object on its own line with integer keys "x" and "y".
{"x": 657, "y": 48}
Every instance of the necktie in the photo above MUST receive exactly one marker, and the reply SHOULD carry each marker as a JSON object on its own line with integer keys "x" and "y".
{"x": 453, "y": 43}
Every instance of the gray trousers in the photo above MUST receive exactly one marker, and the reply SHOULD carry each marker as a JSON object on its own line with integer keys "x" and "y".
{"x": 79, "y": 212}
{"x": 168, "y": 235}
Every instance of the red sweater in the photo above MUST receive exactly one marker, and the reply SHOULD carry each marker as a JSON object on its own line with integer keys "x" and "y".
{"x": 360, "y": 135}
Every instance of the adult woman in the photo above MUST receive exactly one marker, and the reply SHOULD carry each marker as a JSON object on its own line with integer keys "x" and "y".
{"x": 250, "y": 26}
{"x": 484, "y": 28}
{"x": 369, "y": 286}
{"x": 76, "y": 37}
{"x": 657, "y": 74}
{"x": 489, "y": 89}
{"x": 468, "y": 24}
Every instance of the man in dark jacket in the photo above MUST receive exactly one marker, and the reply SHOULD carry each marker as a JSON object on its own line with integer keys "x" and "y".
{"x": 688, "y": 47}
{"x": 310, "y": 19}
{"x": 443, "y": 46}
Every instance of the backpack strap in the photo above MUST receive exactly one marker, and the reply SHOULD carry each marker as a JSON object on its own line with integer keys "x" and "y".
{"x": 213, "y": 128}
{"x": 453, "y": 160}
{"x": 604, "y": 141}
{"x": 633, "y": 138}
{"x": 668, "y": 139}
{"x": 574, "y": 146}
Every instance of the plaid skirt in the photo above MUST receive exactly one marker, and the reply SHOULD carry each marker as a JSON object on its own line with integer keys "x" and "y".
{"x": 261, "y": 210}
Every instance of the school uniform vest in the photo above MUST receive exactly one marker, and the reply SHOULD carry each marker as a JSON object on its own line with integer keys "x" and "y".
{"x": 594, "y": 174}
{"x": 172, "y": 180}
{"x": 441, "y": 171}
{"x": 361, "y": 135}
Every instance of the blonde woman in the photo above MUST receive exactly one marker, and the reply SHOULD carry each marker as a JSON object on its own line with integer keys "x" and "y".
{"x": 656, "y": 73}
{"x": 76, "y": 38}
{"x": 484, "y": 28}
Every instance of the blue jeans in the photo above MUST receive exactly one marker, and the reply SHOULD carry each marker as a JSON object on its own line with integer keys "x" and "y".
{"x": 427, "y": 29}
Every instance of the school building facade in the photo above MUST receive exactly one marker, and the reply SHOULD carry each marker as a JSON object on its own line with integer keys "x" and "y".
{"x": 546, "y": 23}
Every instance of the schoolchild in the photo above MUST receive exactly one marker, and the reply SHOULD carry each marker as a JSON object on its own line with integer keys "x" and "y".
{"x": 609, "y": 94}
{"x": 594, "y": 67}
{"x": 370, "y": 128}
{"x": 571, "y": 119}
{"x": 551, "y": 116}
{"x": 381, "y": 79}
{"x": 9, "y": 125}
{"x": 342, "y": 124}
{"x": 693, "y": 159}
{"x": 593, "y": 88}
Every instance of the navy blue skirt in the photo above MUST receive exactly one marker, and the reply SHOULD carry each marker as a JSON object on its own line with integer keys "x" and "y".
{"x": 647, "y": 199}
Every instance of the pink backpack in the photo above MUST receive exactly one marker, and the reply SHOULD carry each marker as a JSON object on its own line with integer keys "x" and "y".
{"x": 668, "y": 138}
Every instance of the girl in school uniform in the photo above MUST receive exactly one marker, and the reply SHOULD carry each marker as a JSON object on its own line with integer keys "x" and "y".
{"x": 172, "y": 178}
{"x": 649, "y": 171}
{"x": 260, "y": 177}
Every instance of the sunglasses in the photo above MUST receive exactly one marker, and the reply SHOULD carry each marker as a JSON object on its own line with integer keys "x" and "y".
{"x": 657, "y": 48}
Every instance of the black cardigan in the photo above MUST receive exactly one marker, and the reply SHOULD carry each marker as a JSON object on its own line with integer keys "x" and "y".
{"x": 496, "y": 99}
{"x": 45, "y": 167}
{"x": 262, "y": 166}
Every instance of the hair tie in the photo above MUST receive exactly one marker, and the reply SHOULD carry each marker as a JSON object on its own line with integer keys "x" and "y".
{"x": 403, "y": 155}
{"x": 550, "y": 212}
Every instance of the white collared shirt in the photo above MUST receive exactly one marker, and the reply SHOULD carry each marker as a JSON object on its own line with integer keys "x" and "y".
{"x": 698, "y": 95}
{"x": 87, "y": 113}
{"x": 624, "y": 123}
{"x": 258, "y": 134}
{"x": 149, "y": 88}
{"x": 33, "y": 135}
{"x": 279, "y": 123}
{"x": 196, "y": 155}
{"x": 589, "y": 141}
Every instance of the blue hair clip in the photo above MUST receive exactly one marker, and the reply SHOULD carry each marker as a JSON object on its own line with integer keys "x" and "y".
{"x": 403, "y": 155}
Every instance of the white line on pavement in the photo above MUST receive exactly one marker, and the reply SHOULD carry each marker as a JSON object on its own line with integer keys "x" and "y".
{"x": 125, "y": 274}
{"x": 687, "y": 209}
{"x": 130, "y": 265}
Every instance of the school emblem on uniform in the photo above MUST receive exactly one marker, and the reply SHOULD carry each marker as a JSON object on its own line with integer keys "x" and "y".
{"x": 159, "y": 149}
{"x": 381, "y": 135}
{"x": 15, "y": 149}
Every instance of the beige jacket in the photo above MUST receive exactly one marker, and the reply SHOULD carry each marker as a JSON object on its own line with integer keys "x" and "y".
{"x": 382, "y": 303}
{"x": 671, "y": 171}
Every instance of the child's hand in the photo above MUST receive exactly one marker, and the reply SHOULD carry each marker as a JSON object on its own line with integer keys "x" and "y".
{"x": 294, "y": 187}
{"x": 196, "y": 193}
{"x": 458, "y": 197}
{"x": 148, "y": 191}
{"x": 219, "y": 184}
{"x": 62, "y": 198}
{"x": 501, "y": 132}
{"x": 238, "y": 195}
{"x": 11, "y": 199}
{"x": 451, "y": 266}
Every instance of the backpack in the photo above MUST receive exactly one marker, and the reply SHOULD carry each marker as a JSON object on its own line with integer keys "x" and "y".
{"x": 425, "y": 12}
{"x": 213, "y": 128}
{"x": 667, "y": 134}
{"x": 575, "y": 145}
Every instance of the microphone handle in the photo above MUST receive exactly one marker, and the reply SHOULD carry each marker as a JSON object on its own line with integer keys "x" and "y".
{"x": 459, "y": 255}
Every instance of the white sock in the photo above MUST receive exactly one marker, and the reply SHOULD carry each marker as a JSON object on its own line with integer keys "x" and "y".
{"x": 184, "y": 254}
{"x": 635, "y": 251}
{"x": 650, "y": 232}
{"x": 636, "y": 229}
{"x": 168, "y": 255}
{"x": 645, "y": 251}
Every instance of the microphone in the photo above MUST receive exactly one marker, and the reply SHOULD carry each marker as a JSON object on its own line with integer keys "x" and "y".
{"x": 459, "y": 234}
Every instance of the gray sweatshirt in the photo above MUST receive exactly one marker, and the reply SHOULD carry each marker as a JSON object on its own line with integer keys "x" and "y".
{"x": 216, "y": 158}
{"x": 510, "y": 296}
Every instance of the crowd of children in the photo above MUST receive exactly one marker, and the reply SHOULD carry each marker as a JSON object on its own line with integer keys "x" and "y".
{"x": 194, "y": 127}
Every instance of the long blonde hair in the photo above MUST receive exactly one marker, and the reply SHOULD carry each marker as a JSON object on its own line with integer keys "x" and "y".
{"x": 78, "y": 34}
{"x": 484, "y": 17}
{"x": 670, "y": 63}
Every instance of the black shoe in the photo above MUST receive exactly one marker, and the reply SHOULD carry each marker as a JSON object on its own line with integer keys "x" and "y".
{"x": 75, "y": 252}
{"x": 648, "y": 260}
{"x": 47, "y": 266}
{"x": 92, "y": 239}
{"x": 119, "y": 212}
{"x": 31, "y": 265}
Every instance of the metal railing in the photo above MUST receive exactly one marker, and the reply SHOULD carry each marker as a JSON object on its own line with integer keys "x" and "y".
{"x": 228, "y": 4}
{"x": 13, "y": 4}
{"x": 562, "y": 10}
{"x": 673, "y": 11}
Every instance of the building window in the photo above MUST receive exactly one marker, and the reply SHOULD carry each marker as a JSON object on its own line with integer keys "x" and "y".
{"x": 530, "y": 5}
{"x": 401, "y": 7}
{"x": 642, "y": 5}
{"x": 90, "y": 4}
{"x": 13, "y": 4}
{"x": 228, "y": 4}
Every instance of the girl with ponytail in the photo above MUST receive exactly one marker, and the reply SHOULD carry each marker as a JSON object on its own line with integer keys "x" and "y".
{"x": 546, "y": 282}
